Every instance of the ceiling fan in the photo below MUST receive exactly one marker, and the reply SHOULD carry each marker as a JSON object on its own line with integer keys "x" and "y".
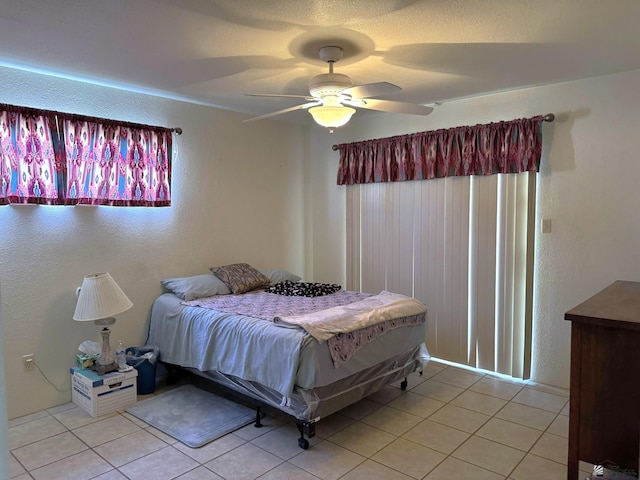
{"x": 333, "y": 96}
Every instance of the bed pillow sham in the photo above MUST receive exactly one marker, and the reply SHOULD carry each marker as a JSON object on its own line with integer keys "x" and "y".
{"x": 197, "y": 286}
{"x": 277, "y": 276}
{"x": 241, "y": 277}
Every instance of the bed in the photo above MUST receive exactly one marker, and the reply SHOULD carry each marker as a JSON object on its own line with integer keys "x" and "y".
{"x": 242, "y": 342}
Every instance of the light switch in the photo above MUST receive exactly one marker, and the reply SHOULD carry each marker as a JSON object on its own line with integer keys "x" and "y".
{"x": 546, "y": 225}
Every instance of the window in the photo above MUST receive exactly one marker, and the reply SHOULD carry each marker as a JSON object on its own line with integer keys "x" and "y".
{"x": 463, "y": 246}
{"x": 461, "y": 242}
{"x": 62, "y": 159}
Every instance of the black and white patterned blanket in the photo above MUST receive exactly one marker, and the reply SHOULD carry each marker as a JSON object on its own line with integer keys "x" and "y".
{"x": 303, "y": 289}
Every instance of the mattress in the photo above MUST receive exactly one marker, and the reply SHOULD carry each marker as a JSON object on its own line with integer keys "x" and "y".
{"x": 279, "y": 357}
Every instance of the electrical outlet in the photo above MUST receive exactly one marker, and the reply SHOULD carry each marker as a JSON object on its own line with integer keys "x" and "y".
{"x": 28, "y": 362}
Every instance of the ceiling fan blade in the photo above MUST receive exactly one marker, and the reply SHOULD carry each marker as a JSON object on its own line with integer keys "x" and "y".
{"x": 285, "y": 110}
{"x": 371, "y": 90}
{"x": 395, "y": 107}
{"x": 306, "y": 97}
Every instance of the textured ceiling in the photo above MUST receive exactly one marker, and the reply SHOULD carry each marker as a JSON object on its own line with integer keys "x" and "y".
{"x": 216, "y": 51}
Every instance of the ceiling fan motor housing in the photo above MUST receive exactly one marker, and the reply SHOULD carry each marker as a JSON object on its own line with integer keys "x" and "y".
{"x": 328, "y": 84}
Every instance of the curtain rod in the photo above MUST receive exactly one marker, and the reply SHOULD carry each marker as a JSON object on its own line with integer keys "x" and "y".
{"x": 40, "y": 111}
{"x": 549, "y": 117}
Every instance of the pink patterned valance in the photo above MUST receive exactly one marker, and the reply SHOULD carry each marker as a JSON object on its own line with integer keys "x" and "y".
{"x": 56, "y": 158}
{"x": 504, "y": 147}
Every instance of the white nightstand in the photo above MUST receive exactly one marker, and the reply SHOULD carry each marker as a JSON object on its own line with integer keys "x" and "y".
{"x": 102, "y": 394}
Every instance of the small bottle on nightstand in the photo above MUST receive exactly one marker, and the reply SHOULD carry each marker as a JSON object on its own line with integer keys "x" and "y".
{"x": 121, "y": 356}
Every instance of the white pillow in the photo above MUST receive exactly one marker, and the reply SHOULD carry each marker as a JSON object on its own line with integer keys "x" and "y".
{"x": 277, "y": 276}
{"x": 197, "y": 286}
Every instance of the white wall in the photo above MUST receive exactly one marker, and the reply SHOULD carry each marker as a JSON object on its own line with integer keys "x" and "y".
{"x": 237, "y": 196}
{"x": 588, "y": 186}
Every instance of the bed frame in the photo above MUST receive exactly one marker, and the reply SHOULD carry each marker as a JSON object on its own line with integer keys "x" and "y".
{"x": 303, "y": 383}
{"x": 321, "y": 401}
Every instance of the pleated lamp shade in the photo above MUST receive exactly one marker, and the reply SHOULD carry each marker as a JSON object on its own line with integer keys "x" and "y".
{"x": 100, "y": 297}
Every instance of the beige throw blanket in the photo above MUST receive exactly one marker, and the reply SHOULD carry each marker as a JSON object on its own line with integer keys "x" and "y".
{"x": 325, "y": 324}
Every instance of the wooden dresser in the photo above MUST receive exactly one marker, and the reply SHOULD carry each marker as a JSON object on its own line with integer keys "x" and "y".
{"x": 604, "y": 416}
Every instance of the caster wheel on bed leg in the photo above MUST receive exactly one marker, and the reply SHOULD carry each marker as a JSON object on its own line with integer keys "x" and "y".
{"x": 303, "y": 427}
{"x": 303, "y": 443}
{"x": 403, "y": 384}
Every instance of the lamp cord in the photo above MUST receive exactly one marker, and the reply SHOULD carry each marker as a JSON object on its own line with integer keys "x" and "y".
{"x": 50, "y": 382}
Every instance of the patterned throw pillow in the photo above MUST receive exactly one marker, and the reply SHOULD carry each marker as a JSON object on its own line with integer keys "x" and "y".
{"x": 240, "y": 277}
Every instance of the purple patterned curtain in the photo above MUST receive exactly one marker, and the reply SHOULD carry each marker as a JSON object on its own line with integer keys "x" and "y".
{"x": 30, "y": 169}
{"x": 56, "y": 158}
{"x": 504, "y": 147}
{"x": 111, "y": 164}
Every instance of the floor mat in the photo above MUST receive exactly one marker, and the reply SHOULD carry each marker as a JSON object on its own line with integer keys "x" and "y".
{"x": 193, "y": 416}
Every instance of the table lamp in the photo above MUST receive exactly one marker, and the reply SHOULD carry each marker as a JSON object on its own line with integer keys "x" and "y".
{"x": 99, "y": 299}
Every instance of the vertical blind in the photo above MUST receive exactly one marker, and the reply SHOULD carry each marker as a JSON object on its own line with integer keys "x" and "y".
{"x": 461, "y": 241}
{"x": 462, "y": 246}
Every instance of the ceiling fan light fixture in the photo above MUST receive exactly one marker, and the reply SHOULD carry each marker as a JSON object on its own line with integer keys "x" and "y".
{"x": 332, "y": 116}
{"x": 334, "y": 90}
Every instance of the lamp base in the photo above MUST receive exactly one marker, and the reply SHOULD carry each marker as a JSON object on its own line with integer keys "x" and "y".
{"x": 102, "y": 369}
{"x": 106, "y": 361}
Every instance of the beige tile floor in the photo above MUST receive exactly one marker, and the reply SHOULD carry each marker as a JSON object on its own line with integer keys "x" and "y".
{"x": 451, "y": 423}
